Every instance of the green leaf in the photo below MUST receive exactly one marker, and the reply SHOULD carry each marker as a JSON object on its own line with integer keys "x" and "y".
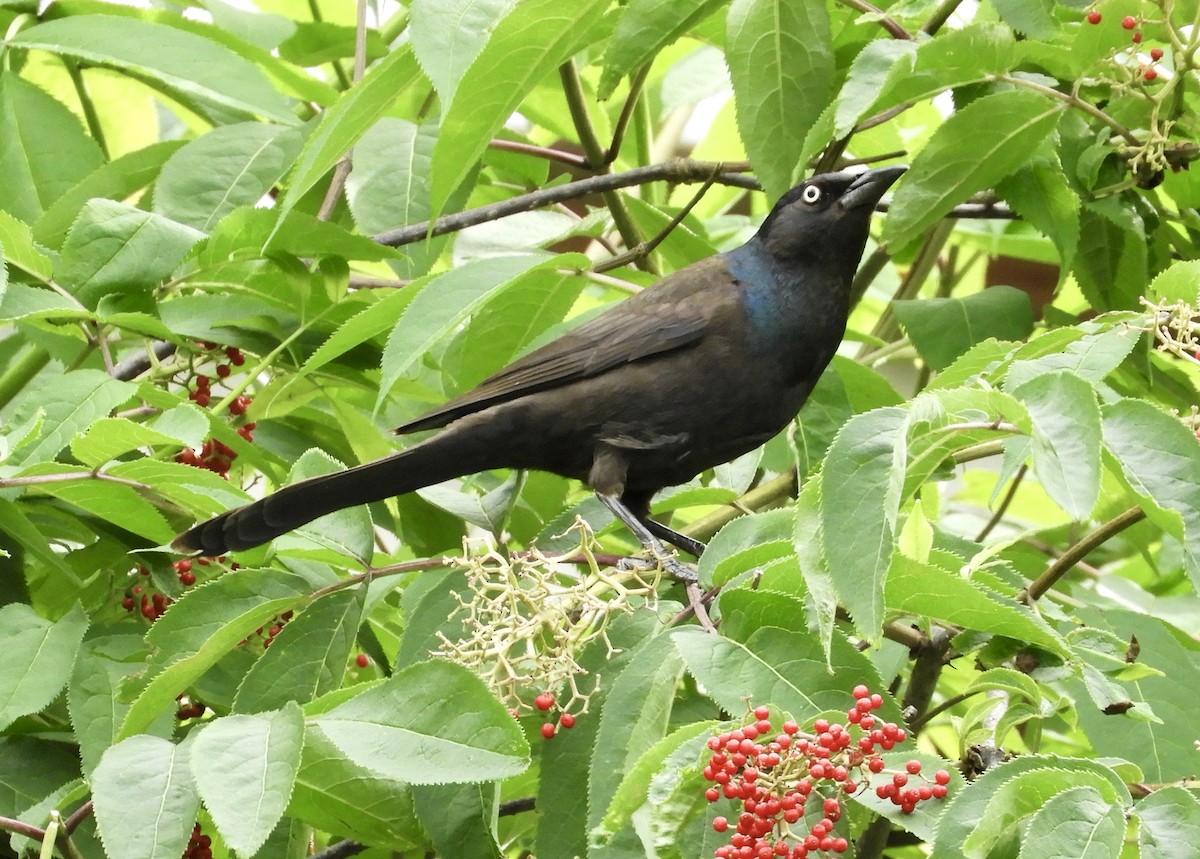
{"x": 1033, "y": 18}
{"x": 94, "y": 695}
{"x": 634, "y": 718}
{"x": 116, "y": 248}
{"x": 445, "y": 301}
{"x": 1168, "y": 823}
{"x": 942, "y": 329}
{"x": 16, "y": 241}
{"x": 745, "y": 543}
{"x": 1076, "y": 824}
{"x": 875, "y": 65}
{"x": 355, "y": 111}
{"x": 957, "y": 161}
{"x": 334, "y": 795}
{"x": 38, "y": 658}
{"x": 459, "y": 818}
{"x": 245, "y": 768}
{"x": 1041, "y": 195}
{"x": 1180, "y": 282}
{"x": 1066, "y": 438}
{"x": 645, "y": 28}
{"x": 533, "y": 39}
{"x": 108, "y": 438}
{"x": 918, "y": 588}
{"x": 1160, "y": 458}
{"x": 392, "y": 729}
{"x": 182, "y": 64}
{"x": 109, "y": 501}
{"x": 230, "y": 166}
{"x": 1112, "y": 262}
{"x": 860, "y": 500}
{"x": 1012, "y": 791}
{"x": 388, "y": 185}
{"x": 73, "y": 402}
{"x": 781, "y": 62}
{"x": 33, "y": 174}
{"x": 809, "y": 542}
{"x": 447, "y": 36}
{"x": 145, "y": 799}
{"x": 342, "y": 533}
{"x": 201, "y": 627}
{"x": 1091, "y": 357}
{"x": 308, "y": 658}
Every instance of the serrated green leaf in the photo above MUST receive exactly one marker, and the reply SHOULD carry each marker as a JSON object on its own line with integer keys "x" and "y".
{"x": 1112, "y": 263}
{"x": 1075, "y": 824}
{"x": 38, "y": 658}
{"x": 1179, "y": 282}
{"x": 1066, "y": 438}
{"x": 943, "y": 329}
{"x": 355, "y": 111}
{"x": 531, "y": 41}
{"x": 145, "y": 799}
{"x": 880, "y": 61}
{"x": 1160, "y": 458}
{"x": 957, "y": 162}
{"x": 181, "y": 63}
{"x": 923, "y": 589}
{"x": 230, "y": 166}
{"x": 1040, "y": 193}
{"x": 1033, "y": 18}
{"x": 201, "y": 627}
{"x": 645, "y": 28}
{"x": 33, "y": 175}
{"x": 1006, "y": 680}
{"x": 781, "y": 62}
{"x": 245, "y": 768}
{"x": 1168, "y": 823}
{"x": 1091, "y": 357}
{"x": 744, "y": 543}
{"x": 16, "y": 242}
{"x": 447, "y": 36}
{"x": 308, "y": 658}
{"x": 391, "y": 729}
{"x": 633, "y": 721}
{"x": 860, "y": 500}
{"x": 459, "y": 818}
{"x": 114, "y": 247}
{"x": 107, "y": 500}
{"x": 108, "y": 438}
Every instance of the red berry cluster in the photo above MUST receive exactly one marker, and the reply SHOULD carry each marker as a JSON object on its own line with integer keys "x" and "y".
{"x": 202, "y": 395}
{"x": 199, "y": 846}
{"x": 774, "y": 779}
{"x": 1148, "y": 73}
{"x": 217, "y": 456}
{"x": 189, "y": 708}
{"x": 149, "y": 603}
{"x": 545, "y": 702}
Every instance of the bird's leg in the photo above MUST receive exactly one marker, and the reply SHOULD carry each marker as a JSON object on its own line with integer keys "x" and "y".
{"x": 673, "y": 567}
{"x": 680, "y": 541}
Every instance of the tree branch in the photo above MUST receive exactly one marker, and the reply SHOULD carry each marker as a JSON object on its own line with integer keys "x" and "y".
{"x": 1079, "y": 551}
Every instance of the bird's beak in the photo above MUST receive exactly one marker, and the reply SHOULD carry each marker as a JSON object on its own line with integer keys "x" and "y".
{"x": 869, "y": 187}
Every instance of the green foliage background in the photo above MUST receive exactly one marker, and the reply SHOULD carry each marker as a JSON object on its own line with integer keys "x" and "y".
{"x": 990, "y": 507}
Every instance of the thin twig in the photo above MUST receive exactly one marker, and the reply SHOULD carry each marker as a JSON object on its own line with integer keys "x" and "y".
{"x": 1004, "y": 502}
{"x": 644, "y": 248}
{"x": 338, "y": 183}
{"x": 894, "y": 29}
{"x": 678, "y": 171}
{"x": 635, "y": 91}
{"x": 1079, "y": 551}
{"x": 569, "y": 158}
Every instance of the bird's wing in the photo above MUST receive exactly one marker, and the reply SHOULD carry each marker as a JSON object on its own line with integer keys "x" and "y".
{"x": 660, "y": 319}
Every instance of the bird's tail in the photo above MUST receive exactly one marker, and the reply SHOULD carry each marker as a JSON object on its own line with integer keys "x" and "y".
{"x": 440, "y": 458}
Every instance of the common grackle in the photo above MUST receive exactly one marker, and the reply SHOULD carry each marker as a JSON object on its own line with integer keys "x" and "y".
{"x": 700, "y": 368}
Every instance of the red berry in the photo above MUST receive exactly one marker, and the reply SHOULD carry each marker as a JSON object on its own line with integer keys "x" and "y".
{"x": 127, "y": 603}
{"x": 274, "y": 630}
{"x": 566, "y": 720}
{"x": 1093, "y": 17}
{"x": 790, "y": 727}
{"x": 187, "y": 578}
{"x": 1137, "y": 38}
{"x": 1129, "y": 22}
{"x": 840, "y": 845}
{"x": 235, "y": 356}
{"x": 1150, "y": 74}
{"x": 938, "y": 791}
{"x": 223, "y": 370}
{"x": 1156, "y": 54}
{"x": 720, "y": 824}
{"x": 548, "y": 730}
{"x": 831, "y": 807}
{"x": 861, "y": 691}
{"x": 362, "y": 660}
{"x": 761, "y": 713}
{"x": 201, "y": 399}
{"x": 712, "y": 794}
{"x": 913, "y": 767}
{"x": 875, "y": 765}
{"x": 941, "y": 777}
{"x": 544, "y": 701}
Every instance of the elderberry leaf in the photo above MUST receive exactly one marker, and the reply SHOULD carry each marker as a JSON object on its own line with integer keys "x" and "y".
{"x": 1169, "y": 823}
{"x": 1075, "y": 824}
{"x": 38, "y": 655}
{"x": 245, "y": 768}
{"x": 432, "y": 723}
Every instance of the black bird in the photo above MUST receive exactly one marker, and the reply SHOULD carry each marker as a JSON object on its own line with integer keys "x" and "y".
{"x": 698, "y": 369}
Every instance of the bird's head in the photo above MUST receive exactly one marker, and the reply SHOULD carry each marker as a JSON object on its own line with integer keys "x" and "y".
{"x": 828, "y": 216}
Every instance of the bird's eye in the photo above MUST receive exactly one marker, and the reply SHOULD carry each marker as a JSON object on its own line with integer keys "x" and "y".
{"x": 810, "y": 194}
